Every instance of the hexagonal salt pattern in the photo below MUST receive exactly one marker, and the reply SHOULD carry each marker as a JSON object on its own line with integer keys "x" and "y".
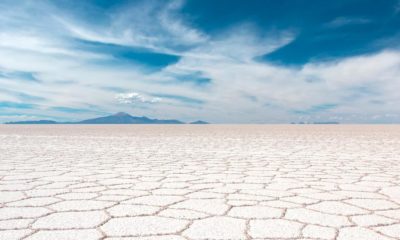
{"x": 199, "y": 182}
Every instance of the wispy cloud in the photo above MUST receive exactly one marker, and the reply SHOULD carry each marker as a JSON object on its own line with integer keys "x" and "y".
{"x": 16, "y": 105}
{"x": 181, "y": 99}
{"x": 135, "y": 98}
{"x": 343, "y": 21}
{"x": 156, "y": 25}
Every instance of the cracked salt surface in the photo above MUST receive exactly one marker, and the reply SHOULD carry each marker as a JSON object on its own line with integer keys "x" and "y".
{"x": 182, "y": 182}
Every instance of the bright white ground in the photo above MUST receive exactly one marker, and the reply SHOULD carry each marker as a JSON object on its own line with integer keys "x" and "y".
{"x": 200, "y": 182}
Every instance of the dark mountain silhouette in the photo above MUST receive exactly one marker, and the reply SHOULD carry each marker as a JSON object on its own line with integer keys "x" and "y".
{"x": 125, "y": 118}
{"x": 199, "y": 122}
{"x": 118, "y": 118}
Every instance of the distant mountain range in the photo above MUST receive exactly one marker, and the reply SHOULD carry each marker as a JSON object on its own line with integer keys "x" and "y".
{"x": 118, "y": 118}
{"x": 34, "y": 122}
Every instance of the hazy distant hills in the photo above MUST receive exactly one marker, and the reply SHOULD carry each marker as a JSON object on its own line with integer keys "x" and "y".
{"x": 199, "y": 122}
{"x": 34, "y": 122}
{"x": 125, "y": 118}
{"x": 118, "y": 118}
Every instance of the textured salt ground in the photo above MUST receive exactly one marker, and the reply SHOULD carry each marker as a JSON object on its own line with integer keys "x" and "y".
{"x": 200, "y": 182}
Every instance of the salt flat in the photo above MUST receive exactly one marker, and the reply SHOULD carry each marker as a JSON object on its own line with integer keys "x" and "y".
{"x": 200, "y": 182}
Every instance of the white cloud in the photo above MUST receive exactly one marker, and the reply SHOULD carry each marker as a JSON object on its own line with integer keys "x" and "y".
{"x": 134, "y": 98}
{"x": 144, "y": 24}
{"x": 343, "y": 21}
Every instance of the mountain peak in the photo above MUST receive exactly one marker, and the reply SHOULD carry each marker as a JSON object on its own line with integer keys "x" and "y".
{"x": 125, "y": 118}
{"x": 122, "y": 114}
{"x": 199, "y": 122}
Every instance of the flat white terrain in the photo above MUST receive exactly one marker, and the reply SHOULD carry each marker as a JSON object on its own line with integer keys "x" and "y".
{"x": 199, "y": 182}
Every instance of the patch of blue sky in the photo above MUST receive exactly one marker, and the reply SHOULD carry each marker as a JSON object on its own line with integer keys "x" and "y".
{"x": 182, "y": 99}
{"x": 75, "y": 110}
{"x": 93, "y": 11}
{"x": 313, "y": 79}
{"x": 195, "y": 78}
{"x": 16, "y": 113}
{"x": 361, "y": 92}
{"x": 20, "y": 75}
{"x": 198, "y": 81}
{"x": 16, "y": 105}
{"x": 202, "y": 81}
{"x": 250, "y": 97}
{"x": 22, "y": 96}
{"x": 28, "y": 97}
{"x": 324, "y": 29}
{"x": 113, "y": 89}
{"x": 306, "y": 48}
{"x": 64, "y": 82}
{"x": 127, "y": 55}
{"x": 316, "y": 109}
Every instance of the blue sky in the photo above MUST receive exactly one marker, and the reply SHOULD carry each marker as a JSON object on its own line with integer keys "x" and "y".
{"x": 225, "y": 61}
